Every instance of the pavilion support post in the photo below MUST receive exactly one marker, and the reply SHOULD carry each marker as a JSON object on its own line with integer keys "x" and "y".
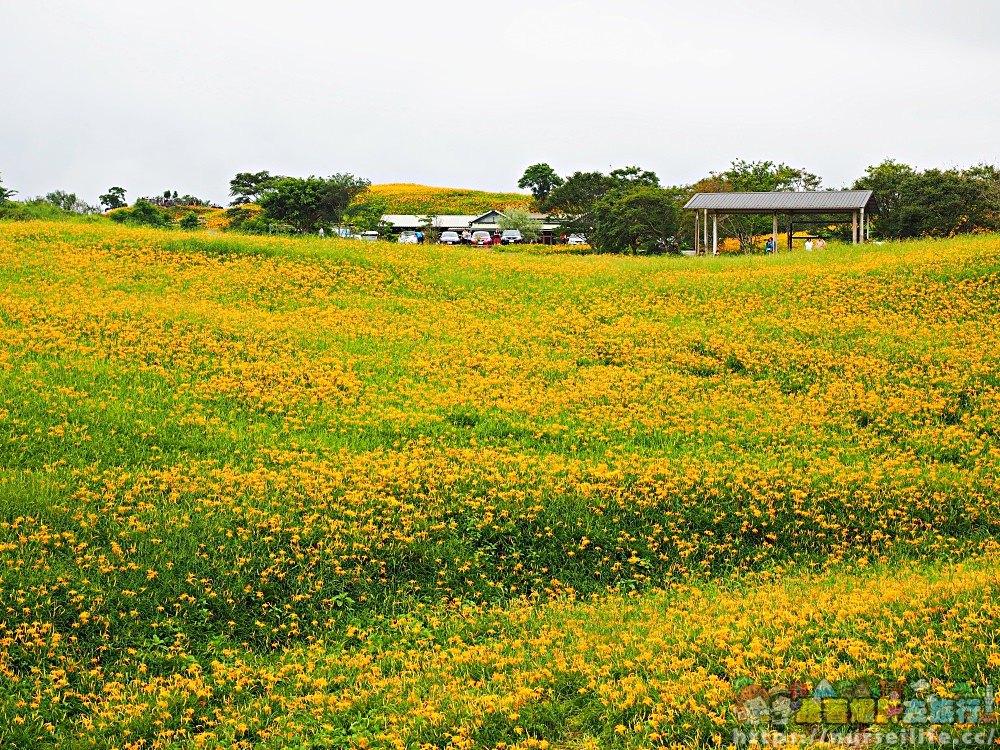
{"x": 862, "y": 226}
{"x": 697, "y": 231}
{"x": 715, "y": 233}
{"x": 774, "y": 231}
{"x": 790, "y": 232}
{"x": 854, "y": 220}
{"x": 704, "y": 230}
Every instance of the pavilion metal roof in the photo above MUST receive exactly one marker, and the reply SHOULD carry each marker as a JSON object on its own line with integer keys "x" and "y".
{"x": 826, "y": 201}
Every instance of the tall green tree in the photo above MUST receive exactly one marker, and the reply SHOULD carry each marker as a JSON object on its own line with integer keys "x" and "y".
{"x": 579, "y": 193}
{"x": 114, "y": 198}
{"x": 932, "y": 203}
{"x": 312, "y": 202}
{"x": 541, "y": 179}
{"x": 641, "y": 219}
{"x": 247, "y": 187}
{"x": 66, "y": 201}
{"x": 630, "y": 177}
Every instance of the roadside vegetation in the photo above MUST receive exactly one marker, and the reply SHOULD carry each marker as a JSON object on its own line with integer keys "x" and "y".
{"x": 274, "y": 492}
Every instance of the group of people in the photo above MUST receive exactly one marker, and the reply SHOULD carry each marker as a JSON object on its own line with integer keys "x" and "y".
{"x": 818, "y": 244}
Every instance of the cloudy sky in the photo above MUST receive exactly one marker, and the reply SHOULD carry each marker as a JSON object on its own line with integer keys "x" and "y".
{"x": 182, "y": 95}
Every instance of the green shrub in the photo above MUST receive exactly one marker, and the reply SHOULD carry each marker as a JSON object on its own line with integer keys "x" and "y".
{"x": 143, "y": 213}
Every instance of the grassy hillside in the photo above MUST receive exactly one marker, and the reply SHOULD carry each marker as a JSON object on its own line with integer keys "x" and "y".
{"x": 310, "y": 493}
{"x": 421, "y": 199}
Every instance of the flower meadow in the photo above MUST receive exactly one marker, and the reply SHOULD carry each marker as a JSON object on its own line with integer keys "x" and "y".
{"x": 271, "y": 493}
{"x": 405, "y": 198}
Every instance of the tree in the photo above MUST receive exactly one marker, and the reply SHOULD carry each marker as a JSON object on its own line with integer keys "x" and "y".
{"x": 630, "y": 177}
{"x": 61, "y": 199}
{"x": 114, "y": 198}
{"x": 247, "y": 187}
{"x": 766, "y": 176}
{"x": 642, "y": 219}
{"x": 312, "y": 202}
{"x": 523, "y": 221}
{"x": 578, "y": 193}
{"x": 69, "y": 202}
{"x": 430, "y": 227}
{"x": 6, "y": 193}
{"x": 541, "y": 179}
{"x": 933, "y": 203}
{"x": 190, "y": 220}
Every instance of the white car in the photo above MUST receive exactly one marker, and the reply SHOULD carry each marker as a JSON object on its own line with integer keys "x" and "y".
{"x": 370, "y": 236}
{"x": 450, "y": 238}
{"x": 408, "y": 238}
{"x": 576, "y": 239}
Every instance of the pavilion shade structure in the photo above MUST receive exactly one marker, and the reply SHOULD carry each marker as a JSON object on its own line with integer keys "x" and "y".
{"x": 855, "y": 203}
{"x": 826, "y": 202}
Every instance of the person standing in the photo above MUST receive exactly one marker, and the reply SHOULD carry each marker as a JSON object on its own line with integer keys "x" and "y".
{"x": 322, "y": 234}
{"x": 809, "y": 245}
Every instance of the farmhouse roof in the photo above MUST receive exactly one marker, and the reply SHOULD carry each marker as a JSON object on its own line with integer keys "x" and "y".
{"x": 414, "y": 220}
{"x": 489, "y": 217}
{"x": 826, "y": 201}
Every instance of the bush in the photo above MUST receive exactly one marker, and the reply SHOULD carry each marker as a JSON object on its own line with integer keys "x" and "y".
{"x": 143, "y": 213}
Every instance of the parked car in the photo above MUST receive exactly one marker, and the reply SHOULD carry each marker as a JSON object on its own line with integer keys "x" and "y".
{"x": 408, "y": 238}
{"x": 576, "y": 239}
{"x": 371, "y": 236}
{"x": 511, "y": 237}
{"x": 482, "y": 238}
{"x": 450, "y": 238}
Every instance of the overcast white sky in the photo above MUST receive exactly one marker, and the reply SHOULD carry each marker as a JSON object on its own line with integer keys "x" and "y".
{"x": 182, "y": 95}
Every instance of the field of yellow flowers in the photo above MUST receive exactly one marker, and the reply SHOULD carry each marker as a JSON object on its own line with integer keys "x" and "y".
{"x": 268, "y": 493}
{"x": 404, "y": 198}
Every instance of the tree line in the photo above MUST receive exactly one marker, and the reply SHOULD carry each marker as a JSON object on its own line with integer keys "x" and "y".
{"x": 627, "y": 210}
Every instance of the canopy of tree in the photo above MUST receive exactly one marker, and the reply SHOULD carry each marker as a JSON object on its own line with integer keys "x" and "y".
{"x": 114, "y": 198}
{"x": 541, "y": 179}
{"x": 312, "y": 202}
{"x": 641, "y": 219}
{"x": 247, "y": 187}
{"x": 933, "y": 203}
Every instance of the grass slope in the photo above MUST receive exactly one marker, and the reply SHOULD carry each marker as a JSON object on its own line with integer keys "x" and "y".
{"x": 281, "y": 492}
{"x": 420, "y": 199}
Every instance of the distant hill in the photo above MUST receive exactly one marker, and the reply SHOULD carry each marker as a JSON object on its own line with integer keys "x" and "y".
{"x": 422, "y": 199}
